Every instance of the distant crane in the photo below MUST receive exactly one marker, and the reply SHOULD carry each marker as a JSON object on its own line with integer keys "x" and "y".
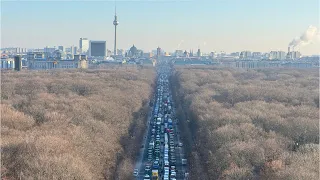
{"x": 180, "y": 44}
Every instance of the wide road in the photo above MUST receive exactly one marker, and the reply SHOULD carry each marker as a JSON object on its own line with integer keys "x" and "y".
{"x": 161, "y": 154}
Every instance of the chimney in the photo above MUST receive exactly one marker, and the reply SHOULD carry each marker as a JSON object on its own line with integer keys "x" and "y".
{"x": 289, "y": 49}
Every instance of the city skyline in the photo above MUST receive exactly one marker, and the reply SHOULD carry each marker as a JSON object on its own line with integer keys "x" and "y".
{"x": 229, "y": 26}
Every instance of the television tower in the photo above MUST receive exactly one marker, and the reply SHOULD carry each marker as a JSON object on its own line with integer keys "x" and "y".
{"x": 115, "y": 23}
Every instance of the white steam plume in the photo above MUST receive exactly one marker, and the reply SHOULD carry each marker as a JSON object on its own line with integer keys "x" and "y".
{"x": 306, "y": 38}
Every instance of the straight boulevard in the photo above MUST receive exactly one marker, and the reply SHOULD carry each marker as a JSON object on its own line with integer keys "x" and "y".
{"x": 161, "y": 155}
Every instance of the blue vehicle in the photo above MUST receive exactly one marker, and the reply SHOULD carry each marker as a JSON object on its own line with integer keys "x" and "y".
{"x": 155, "y": 164}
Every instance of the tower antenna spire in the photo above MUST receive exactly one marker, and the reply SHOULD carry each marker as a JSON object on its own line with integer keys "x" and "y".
{"x": 115, "y": 7}
{"x": 115, "y": 23}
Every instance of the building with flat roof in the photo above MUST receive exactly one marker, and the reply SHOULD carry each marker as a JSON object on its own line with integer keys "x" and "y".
{"x": 84, "y": 45}
{"x": 98, "y": 49}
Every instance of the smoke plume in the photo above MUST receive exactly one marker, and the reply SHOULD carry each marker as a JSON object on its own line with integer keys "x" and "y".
{"x": 306, "y": 38}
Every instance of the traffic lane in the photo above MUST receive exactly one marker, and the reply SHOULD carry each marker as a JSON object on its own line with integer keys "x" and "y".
{"x": 145, "y": 144}
{"x": 178, "y": 150}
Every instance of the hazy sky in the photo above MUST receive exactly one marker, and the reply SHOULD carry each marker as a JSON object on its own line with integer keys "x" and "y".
{"x": 214, "y": 25}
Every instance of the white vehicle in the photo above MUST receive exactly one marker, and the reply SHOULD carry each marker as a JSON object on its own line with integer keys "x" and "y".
{"x": 147, "y": 176}
{"x": 166, "y": 159}
{"x": 135, "y": 172}
{"x": 151, "y": 144}
{"x": 166, "y": 163}
{"x": 184, "y": 161}
{"x": 166, "y": 171}
{"x": 173, "y": 174}
{"x": 166, "y": 138}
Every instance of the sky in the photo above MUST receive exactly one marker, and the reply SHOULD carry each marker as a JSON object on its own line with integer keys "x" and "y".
{"x": 211, "y": 25}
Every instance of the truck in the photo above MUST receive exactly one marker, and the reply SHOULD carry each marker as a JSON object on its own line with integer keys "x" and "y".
{"x": 155, "y": 174}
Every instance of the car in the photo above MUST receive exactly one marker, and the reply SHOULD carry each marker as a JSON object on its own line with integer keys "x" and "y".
{"x": 166, "y": 171}
{"x": 173, "y": 174}
{"x": 147, "y": 176}
{"x": 135, "y": 172}
{"x": 166, "y": 163}
{"x": 156, "y": 164}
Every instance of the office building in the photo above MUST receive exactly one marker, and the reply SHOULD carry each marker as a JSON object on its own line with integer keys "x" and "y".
{"x": 199, "y": 53}
{"x": 98, "y": 48}
{"x": 179, "y": 53}
{"x": 245, "y": 55}
{"x": 235, "y": 54}
{"x": 84, "y": 45}
{"x": 75, "y": 50}
{"x": 256, "y": 55}
{"x": 277, "y": 55}
{"x": 147, "y": 55}
{"x": 48, "y": 49}
{"x": 61, "y": 48}
{"x": 158, "y": 52}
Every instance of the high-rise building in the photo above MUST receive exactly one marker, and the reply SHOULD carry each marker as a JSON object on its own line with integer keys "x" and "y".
{"x": 158, "y": 52}
{"x": 257, "y": 55}
{"x": 48, "y": 49}
{"x": 71, "y": 50}
{"x": 281, "y": 55}
{"x": 98, "y": 48}
{"x": 179, "y": 53}
{"x": 199, "y": 53}
{"x": 245, "y": 54}
{"x": 61, "y": 48}
{"x": 75, "y": 50}
{"x": 295, "y": 54}
{"x": 84, "y": 45}
{"x": 277, "y": 55}
{"x": 115, "y": 23}
{"x": 235, "y": 54}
